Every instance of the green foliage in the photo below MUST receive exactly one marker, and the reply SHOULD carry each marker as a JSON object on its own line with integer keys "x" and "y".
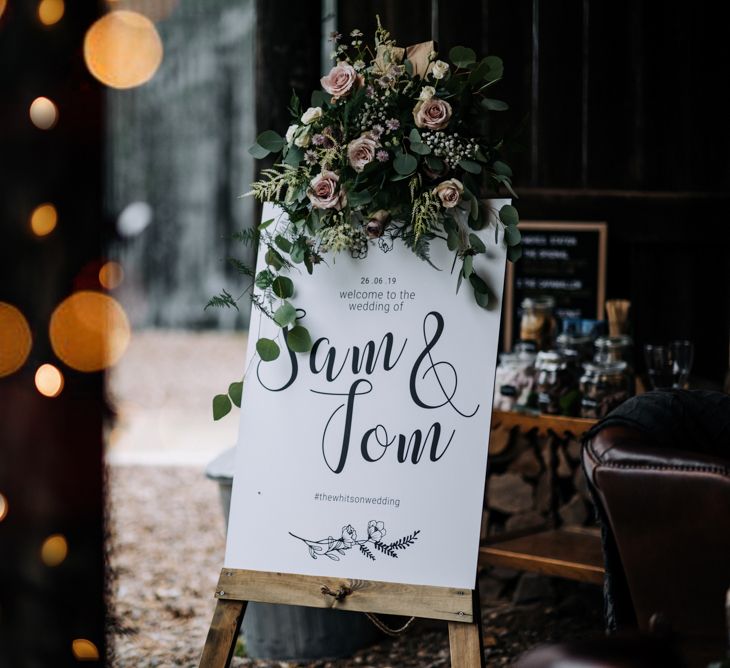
{"x": 298, "y": 339}
{"x": 221, "y": 406}
{"x": 223, "y": 300}
{"x": 462, "y": 56}
{"x": 235, "y": 391}
{"x": 267, "y": 349}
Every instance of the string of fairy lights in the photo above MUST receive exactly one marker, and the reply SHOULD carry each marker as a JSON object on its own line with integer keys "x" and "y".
{"x": 88, "y": 330}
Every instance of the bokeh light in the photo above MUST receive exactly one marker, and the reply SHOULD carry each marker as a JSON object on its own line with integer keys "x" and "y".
{"x": 89, "y": 331}
{"x": 134, "y": 219}
{"x": 84, "y": 650}
{"x": 2, "y": 7}
{"x": 51, "y": 11}
{"x": 155, "y": 10}
{"x": 111, "y": 275}
{"x": 43, "y": 220}
{"x": 43, "y": 113}
{"x": 54, "y": 550}
{"x": 3, "y": 507}
{"x": 15, "y": 339}
{"x": 49, "y": 380}
{"x": 123, "y": 49}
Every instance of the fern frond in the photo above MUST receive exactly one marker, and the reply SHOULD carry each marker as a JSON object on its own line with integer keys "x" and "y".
{"x": 223, "y": 300}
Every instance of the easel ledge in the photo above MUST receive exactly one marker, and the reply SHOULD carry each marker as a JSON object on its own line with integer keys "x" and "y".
{"x": 460, "y": 607}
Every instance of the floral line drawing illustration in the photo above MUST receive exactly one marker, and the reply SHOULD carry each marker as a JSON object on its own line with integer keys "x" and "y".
{"x": 333, "y": 548}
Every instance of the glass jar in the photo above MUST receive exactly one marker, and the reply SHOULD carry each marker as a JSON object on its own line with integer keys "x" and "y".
{"x": 538, "y": 322}
{"x": 556, "y": 384}
{"x": 514, "y": 380}
{"x": 617, "y": 349}
{"x": 604, "y": 386}
{"x": 583, "y": 345}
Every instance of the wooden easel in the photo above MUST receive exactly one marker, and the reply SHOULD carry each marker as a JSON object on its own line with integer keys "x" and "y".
{"x": 460, "y": 607}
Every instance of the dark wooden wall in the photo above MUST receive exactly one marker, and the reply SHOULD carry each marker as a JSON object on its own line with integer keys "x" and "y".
{"x": 620, "y": 106}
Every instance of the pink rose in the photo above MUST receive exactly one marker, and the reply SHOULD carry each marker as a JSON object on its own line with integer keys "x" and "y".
{"x": 432, "y": 113}
{"x": 361, "y": 151}
{"x": 324, "y": 192}
{"x": 340, "y": 80}
{"x": 449, "y": 192}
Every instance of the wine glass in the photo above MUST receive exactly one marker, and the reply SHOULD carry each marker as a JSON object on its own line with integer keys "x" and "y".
{"x": 669, "y": 365}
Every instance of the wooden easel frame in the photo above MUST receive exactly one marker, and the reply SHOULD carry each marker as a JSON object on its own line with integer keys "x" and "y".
{"x": 459, "y": 607}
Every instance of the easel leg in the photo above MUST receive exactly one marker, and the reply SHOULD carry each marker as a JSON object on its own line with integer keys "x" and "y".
{"x": 223, "y": 633}
{"x": 465, "y": 640}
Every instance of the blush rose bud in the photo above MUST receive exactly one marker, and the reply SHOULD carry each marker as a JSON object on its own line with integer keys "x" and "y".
{"x": 377, "y": 221}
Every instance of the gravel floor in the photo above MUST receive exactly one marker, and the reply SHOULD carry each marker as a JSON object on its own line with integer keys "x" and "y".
{"x": 167, "y": 549}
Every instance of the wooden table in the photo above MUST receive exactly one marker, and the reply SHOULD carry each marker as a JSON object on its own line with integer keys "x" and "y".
{"x": 569, "y": 552}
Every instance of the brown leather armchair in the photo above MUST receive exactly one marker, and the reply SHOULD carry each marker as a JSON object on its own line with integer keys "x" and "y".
{"x": 666, "y": 532}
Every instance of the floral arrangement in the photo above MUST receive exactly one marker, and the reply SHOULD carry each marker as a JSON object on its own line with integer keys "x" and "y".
{"x": 395, "y": 147}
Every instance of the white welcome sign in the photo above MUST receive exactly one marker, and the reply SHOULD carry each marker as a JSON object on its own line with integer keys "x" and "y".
{"x": 366, "y": 458}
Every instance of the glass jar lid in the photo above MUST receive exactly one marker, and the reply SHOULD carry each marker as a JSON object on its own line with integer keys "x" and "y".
{"x": 538, "y": 303}
{"x": 550, "y": 360}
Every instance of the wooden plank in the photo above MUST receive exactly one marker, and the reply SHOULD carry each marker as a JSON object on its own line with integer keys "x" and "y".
{"x": 465, "y": 643}
{"x": 222, "y": 634}
{"x": 543, "y": 423}
{"x": 569, "y": 553}
{"x": 387, "y": 598}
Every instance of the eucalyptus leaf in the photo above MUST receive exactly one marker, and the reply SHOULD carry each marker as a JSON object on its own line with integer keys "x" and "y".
{"x": 477, "y": 244}
{"x": 293, "y": 156}
{"x": 470, "y": 166}
{"x": 319, "y": 98}
{"x": 285, "y": 315}
{"x": 267, "y": 349}
{"x": 496, "y": 68}
{"x": 355, "y": 199}
{"x": 512, "y": 235}
{"x": 283, "y": 287}
{"x": 421, "y": 149}
{"x": 508, "y": 215}
{"x": 271, "y": 141}
{"x": 298, "y": 251}
{"x": 258, "y": 152}
{"x": 273, "y": 259}
{"x": 221, "y": 406}
{"x": 405, "y": 164}
{"x": 481, "y": 298}
{"x": 235, "y": 390}
{"x": 474, "y": 208}
{"x": 453, "y": 240}
{"x": 479, "y": 72}
{"x": 502, "y": 168}
{"x": 494, "y": 105}
{"x": 415, "y": 137}
{"x": 468, "y": 267}
{"x": 265, "y": 224}
{"x": 514, "y": 253}
{"x": 434, "y": 163}
{"x": 298, "y": 339}
{"x": 462, "y": 56}
{"x": 283, "y": 243}
{"x": 478, "y": 284}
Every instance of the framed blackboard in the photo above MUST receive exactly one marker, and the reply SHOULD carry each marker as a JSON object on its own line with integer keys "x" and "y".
{"x": 566, "y": 260}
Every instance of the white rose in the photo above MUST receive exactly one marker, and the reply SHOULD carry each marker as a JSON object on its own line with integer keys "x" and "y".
{"x": 311, "y": 115}
{"x": 303, "y": 138}
{"x": 439, "y": 70}
{"x": 427, "y": 92}
{"x": 290, "y": 134}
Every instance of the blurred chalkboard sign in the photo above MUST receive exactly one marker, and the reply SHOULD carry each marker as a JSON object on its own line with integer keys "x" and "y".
{"x": 563, "y": 259}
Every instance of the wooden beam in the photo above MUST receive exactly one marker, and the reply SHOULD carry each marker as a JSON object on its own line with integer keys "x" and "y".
{"x": 223, "y": 634}
{"x": 388, "y": 598}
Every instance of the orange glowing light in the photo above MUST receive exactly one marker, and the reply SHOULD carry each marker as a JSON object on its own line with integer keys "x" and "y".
{"x": 51, "y": 11}
{"x": 111, "y": 275}
{"x": 43, "y": 113}
{"x": 2, "y": 7}
{"x": 49, "y": 380}
{"x": 3, "y": 507}
{"x": 123, "y": 49}
{"x": 43, "y": 220}
{"x": 89, "y": 331}
{"x": 84, "y": 650}
{"x": 15, "y": 339}
{"x": 54, "y": 550}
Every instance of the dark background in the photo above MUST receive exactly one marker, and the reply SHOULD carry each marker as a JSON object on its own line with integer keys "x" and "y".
{"x": 620, "y": 105}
